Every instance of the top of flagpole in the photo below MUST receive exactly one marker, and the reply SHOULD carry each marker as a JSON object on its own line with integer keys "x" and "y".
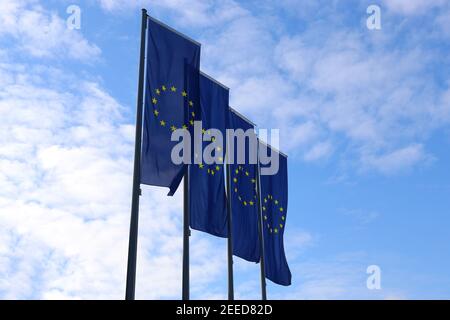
{"x": 172, "y": 29}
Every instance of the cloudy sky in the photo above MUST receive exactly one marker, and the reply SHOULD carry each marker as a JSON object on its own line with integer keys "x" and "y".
{"x": 364, "y": 116}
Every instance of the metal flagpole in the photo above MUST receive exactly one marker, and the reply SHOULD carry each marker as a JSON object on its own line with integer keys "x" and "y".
{"x": 132, "y": 245}
{"x": 260, "y": 230}
{"x": 230, "y": 237}
{"x": 186, "y": 229}
{"x": 186, "y": 235}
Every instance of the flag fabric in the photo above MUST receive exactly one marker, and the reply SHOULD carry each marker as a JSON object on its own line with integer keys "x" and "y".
{"x": 207, "y": 200}
{"x": 171, "y": 97}
{"x": 244, "y": 204}
{"x": 274, "y": 198}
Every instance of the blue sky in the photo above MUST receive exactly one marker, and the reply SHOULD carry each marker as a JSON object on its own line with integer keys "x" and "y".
{"x": 363, "y": 115}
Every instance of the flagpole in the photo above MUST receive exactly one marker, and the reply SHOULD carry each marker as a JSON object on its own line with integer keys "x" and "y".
{"x": 132, "y": 245}
{"x": 186, "y": 235}
{"x": 260, "y": 230}
{"x": 186, "y": 231}
{"x": 230, "y": 237}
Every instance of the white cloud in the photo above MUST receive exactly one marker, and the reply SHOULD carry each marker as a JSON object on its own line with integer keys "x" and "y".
{"x": 397, "y": 160}
{"x": 42, "y": 33}
{"x": 378, "y": 100}
{"x": 188, "y": 12}
{"x": 318, "y": 151}
{"x": 65, "y": 176}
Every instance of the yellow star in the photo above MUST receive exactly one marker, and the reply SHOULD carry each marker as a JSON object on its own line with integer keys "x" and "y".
{"x": 237, "y": 171}
{"x": 264, "y": 208}
{"x": 265, "y": 200}
{"x": 219, "y": 148}
{"x": 265, "y": 217}
{"x": 163, "y": 123}
{"x": 240, "y": 199}
{"x": 235, "y": 189}
{"x": 184, "y": 126}
{"x": 209, "y": 171}
{"x": 281, "y": 226}
{"x": 234, "y": 180}
{"x": 191, "y": 122}
{"x": 173, "y": 128}
{"x": 201, "y": 165}
{"x": 281, "y": 209}
{"x": 246, "y": 173}
{"x": 282, "y": 218}
{"x": 154, "y": 101}
{"x": 220, "y": 159}
{"x": 163, "y": 88}
{"x": 158, "y": 92}
{"x": 270, "y": 230}
{"x": 156, "y": 112}
{"x": 212, "y": 172}
{"x": 173, "y": 89}
{"x": 203, "y": 131}
{"x": 253, "y": 180}
{"x": 245, "y": 203}
{"x": 217, "y": 168}
{"x": 275, "y": 230}
{"x": 251, "y": 203}
{"x": 184, "y": 93}
{"x": 193, "y": 114}
{"x": 276, "y": 201}
{"x": 191, "y": 103}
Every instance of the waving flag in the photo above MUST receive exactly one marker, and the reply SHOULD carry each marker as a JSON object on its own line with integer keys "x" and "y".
{"x": 206, "y": 181}
{"x": 244, "y": 197}
{"x": 274, "y": 198}
{"x": 171, "y": 99}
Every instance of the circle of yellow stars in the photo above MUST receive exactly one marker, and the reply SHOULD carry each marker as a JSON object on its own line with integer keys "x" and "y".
{"x": 211, "y": 170}
{"x": 277, "y": 207}
{"x": 240, "y": 171}
{"x": 157, "y": 93}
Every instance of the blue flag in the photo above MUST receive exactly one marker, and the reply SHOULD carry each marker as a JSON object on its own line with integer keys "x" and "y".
{"x": 172, "y": 94}
{"x": 274, "y": 198}
{"x": 207, "y": 200}
{"x": 244, "y": 206}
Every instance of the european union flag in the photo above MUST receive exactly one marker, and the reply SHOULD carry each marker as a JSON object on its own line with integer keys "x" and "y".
{"x": 172, "y": 95}
{"x": 206, "y": 181}
{"x": 244, "y": 196}
{"x": 274, "y": 198}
